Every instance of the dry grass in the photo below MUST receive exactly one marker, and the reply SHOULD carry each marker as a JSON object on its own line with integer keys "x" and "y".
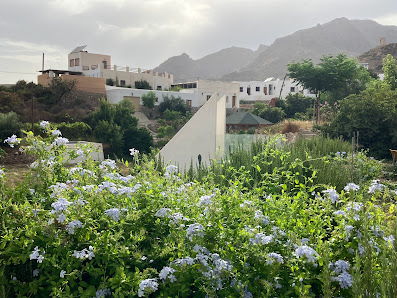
{"x": 15, "y": 174}
{"x": 290, "y": 125}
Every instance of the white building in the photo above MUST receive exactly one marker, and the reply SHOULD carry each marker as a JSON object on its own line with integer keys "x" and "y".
{"x": 196, "y": 94}
{"x": 99, "y": 66}
{"x": 270, "y": 88}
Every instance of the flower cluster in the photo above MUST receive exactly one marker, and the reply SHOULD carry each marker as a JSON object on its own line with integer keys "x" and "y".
{"x": 147, "y": 286}
{"x": 84, "y": 254}
{"x": 12, "y": 141}
{"x": 341, "y": 268}
{"x": 332, "y": 194}
{"x": 308, "y": 252}
{"x": 134, "y": 152}
{"x": 35, "y": 255}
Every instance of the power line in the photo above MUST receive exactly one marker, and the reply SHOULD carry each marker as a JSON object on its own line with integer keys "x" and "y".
{"x": 18, "y": 72}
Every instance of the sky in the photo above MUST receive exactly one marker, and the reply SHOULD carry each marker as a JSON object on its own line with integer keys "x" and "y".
{"x": 145, "y": 33}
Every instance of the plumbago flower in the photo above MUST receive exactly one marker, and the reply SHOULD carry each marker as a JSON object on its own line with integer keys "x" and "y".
{"x": 332, "y": 194}
{"x": 12, "y": 141}
{"x": 72, "y": 225}
{"x": 167, "y": 272}
{"x": 56, "y": 132}
{"x": 147, "y": 286}
{"x": 375, "y": 186}
{"x": 341, "y": 268}
{"x": 308, "y": 252}
{"x": 351, "y": 186}
{"x": 84, "y": 254}
{"x": 114, "y": 213}
{"x": 134, "y": 152}
{"x": 44, "y": 124}
{"x": 35, "y": 255}
{"x": 59, "y": 141}
{"x": 195, "y": 229}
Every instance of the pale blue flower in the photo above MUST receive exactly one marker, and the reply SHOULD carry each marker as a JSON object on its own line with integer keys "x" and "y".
{"x": 147, "y": 286}
{"x": 351, "y": 186}
{"x": 344, "y": 279}
{"x": 333, "y": 195}
{"x": 59, "y": 141}
{"x": 134, "y": 152}
{"x": 271, "y": 257}
{"x": 44, "y": 124}
{"x": 72, "y": 225}
{"x": 62, "y": 274}
{"x": 35, "y": 255}
{"x": 84, "y": 254}
{"x": 167, "y": 272}
{"x": 308, "y": 252}
{"x": 12, "y": 141}
{"x": 195, "y": 229}
{"x": 56, "y": 132}
{"x": 375, "y": 186}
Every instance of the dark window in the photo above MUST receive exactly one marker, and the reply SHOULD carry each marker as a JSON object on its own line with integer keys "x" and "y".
{"x": 249, "y": 91}
{"x": 122, "y": 83}
{"x": 208, "y": 97}
{"x": 292, "y": 89}
{"x": 71, "y": 63}
{"x": 158, "y": 87}
{"x": 241, "y": 89}
{"x": 189, "y": 103}
{"x": 77, "y": 62}
{"x": 257, "y": 89}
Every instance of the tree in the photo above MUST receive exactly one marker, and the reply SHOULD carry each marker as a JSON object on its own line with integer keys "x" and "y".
{"x": 272, "y": 114}
{"x": 173, "y": 104}
{"x": 295, "y": 103}
{"x": 390, "y": 71}
{"x": 338, "y": 75}
{"x": 149, "y": 99}
{"x": 143, "y": 84}
{"x": 9, "y": 125}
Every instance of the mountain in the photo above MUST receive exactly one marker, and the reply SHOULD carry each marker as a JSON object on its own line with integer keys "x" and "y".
{"x": 375, "y": 56}
{"x": 212, "y": 66}
{"x": 341, "y": 35}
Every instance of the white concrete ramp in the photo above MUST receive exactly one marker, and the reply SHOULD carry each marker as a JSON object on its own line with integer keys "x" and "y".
{"x": 203, "y": 135}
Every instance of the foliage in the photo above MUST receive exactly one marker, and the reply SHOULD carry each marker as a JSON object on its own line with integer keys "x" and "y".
{"x": 338, "y": 75}
{"x": 9, "y": 125}
{"x": 372, "y": 113}
{"x": 149, "y": 99}
{"x": 116, "y": 126}
{"x": 58, "y": 89}
{"x": 10, "y": 102}
{"x": 272, "y": 114}
{"x": 295, "y": 103}
{"x": 90, "y": 231}
{"x": 143, "y": 84}
{"x": 110, "y": 82}
{"x": 390, "y": 71}
{"x": 173, "y": 103}
{"x": 74, "y": 131}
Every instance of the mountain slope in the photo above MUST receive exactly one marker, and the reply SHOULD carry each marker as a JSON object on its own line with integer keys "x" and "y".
{"x": 340, "y": 35}
{"x": 375, "y": 56}
{"x": 211, "y": 66}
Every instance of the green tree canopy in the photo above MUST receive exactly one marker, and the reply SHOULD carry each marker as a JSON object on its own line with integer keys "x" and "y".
{"x": 149, "y": 99}
{"x": 338, "y": 75}
{"x": 143, "y": 84}
{"x": 173, "y": 103}
{"x": 272, "y": 114}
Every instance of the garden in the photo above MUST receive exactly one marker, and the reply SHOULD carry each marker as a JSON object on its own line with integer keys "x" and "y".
{"x": 308, "y": 219}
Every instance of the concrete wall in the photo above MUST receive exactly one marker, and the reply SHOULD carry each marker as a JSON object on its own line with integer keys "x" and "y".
{"x": 93, "y": 85}
{"x": 203, "y": 134}
{"x": 116, "y": 94}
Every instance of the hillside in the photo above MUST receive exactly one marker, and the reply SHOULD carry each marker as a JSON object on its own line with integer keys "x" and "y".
{"x": 352, "y": 37}
{"x": 211, "y": 66}
{"x": 375, "y": 56}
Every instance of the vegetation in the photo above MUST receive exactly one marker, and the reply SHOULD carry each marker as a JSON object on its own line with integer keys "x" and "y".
{"x": 173, "y": 103}
{"x": 272, "y": 114}
{"x": 372, "y": 113}
{"x": 143, "y": 84}
{"x": 296, "y": 105}
{"x": 149, "y": 99}
{"x": 9, "y": 125}
{"x": 115, "y": 125}
{"x": 268, "y": 228}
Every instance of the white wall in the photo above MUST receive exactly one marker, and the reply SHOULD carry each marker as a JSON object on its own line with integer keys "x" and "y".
{"x": 116, "y": 94}
{"x": 273, "y": 88}
{"x": 203, "y": 134}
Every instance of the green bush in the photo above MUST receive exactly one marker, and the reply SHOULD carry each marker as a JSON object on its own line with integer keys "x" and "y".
{"x": 143, "y": 84}
{"x": 9, "y": 125}
{"x": 89, "y": 231}
{"x": 75, "y": 131}
{"x": 272, "y": 114}
{"x": 173, "y": 104}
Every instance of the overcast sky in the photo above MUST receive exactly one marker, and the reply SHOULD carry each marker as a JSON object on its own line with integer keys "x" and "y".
{"x": 144, "y": 33}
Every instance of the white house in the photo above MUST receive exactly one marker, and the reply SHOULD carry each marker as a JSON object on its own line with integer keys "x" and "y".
{"x": 270, "y": 88}
{"x": 195, "y": 94}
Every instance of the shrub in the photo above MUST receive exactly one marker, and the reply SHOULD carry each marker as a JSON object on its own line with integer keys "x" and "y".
{"x": 75, "y": 131}
{"x": 143, "y": 84}
{"x": 173, "y": 104}
{"x": 272, "y": 114}
{"x": 9, "y": 125}
{"x": 149, "y": 99}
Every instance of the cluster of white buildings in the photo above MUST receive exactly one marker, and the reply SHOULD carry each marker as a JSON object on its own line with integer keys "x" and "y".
{"x": 92, "y": 71}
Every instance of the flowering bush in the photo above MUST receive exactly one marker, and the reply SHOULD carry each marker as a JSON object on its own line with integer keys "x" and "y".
{"x": 90, "y": 231}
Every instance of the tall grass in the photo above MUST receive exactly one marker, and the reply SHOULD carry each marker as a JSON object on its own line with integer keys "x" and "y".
{"x": 313, "y": 161}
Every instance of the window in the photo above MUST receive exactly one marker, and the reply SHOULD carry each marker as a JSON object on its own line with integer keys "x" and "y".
{"x": 208, "y": 97}
{"x": 249, "y": 90}
{"x": 86, "y": 68}
{"x": 77, "y": 62}
{"x": 257, "y": 89}
{"x": 122, "y": 82}
{"x": 189, "y": 103}
{"x": 292, "y": 89}
{"x": 158, "y": 87}
{"x": 157, "y": 99}
{"x": 227, "y": 99}
{"x": 241, "y": 89}
{"x": 71, "y": 63}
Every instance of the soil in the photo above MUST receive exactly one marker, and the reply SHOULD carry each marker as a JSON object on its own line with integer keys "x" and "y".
{"x": 15, "y": 157}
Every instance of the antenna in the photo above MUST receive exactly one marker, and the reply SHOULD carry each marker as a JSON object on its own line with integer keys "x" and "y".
{"x": 42, "y": 67}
